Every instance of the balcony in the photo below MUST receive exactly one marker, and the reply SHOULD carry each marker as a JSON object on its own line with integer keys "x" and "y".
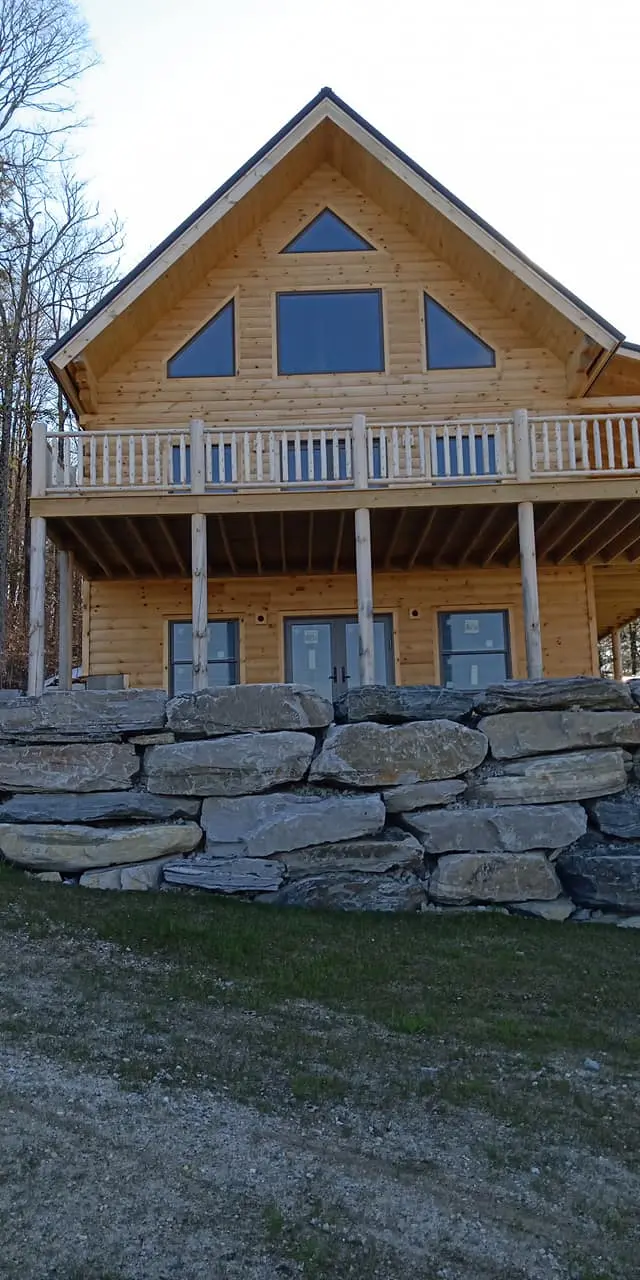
{"x": 350, "y": 455}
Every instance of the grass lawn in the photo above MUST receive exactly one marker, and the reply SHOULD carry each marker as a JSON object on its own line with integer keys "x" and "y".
{"x": 431, "y": 1068}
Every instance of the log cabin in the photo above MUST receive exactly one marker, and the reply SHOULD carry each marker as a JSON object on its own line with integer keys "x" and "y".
{"x": 337, "y": 430}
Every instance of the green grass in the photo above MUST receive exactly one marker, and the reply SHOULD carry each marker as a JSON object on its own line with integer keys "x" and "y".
{"x": 488, "y": 979}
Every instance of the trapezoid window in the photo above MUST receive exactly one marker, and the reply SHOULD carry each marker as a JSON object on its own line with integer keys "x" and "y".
{"x": 211, "y": 352}
{"x": 330, "y": 332}
{"x": 327, "y": 234}
{"x": 450, "y": 345}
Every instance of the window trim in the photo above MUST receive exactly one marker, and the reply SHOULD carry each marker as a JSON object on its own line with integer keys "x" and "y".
{"x": 306, "y": 293}
{"x": 449, "y": 369}
{"x": 206, "y": 377}
{"x": 370, "y": 248}
{"x": 169, "y": 664}
{"x": 507, "y": 613}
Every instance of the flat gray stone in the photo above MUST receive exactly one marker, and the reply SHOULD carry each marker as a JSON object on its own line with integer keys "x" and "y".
{"x": 560, "y": 909}
{"x": 98, "y": 806}
{"x": 248, "y": 708}
{"x": 629, "y": 922}
{"x": 105, "y": 766}
{"x": 232, "y": 875}
{"x": 375, "y": 755}
{"x": 83, "y": 715}
{"x": 512, "y": 829}
{"x": 354, "y": 892}
{"x": 160, "y": 739}
{"x": 588, "y": 692}
{"x": 530, "y": 733}
{"x": 139, "y": 878}
{"x": 618, "y": 815}
{"x": 397, "y": 704}
{"x": 369, "y": 854}
{"x": 422, "y": 794}
{"x": 49, "y": 877}
{"x": 493, "y": 877}
{"x": 241, "y": 764}
{"x": 46, "y": 847}
{"x": 601, "y": 872}
{"x": 576, "y": 775}
{"x": 257, "y": 826}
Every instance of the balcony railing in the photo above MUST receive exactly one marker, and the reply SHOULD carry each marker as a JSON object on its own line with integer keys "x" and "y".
{"x": 351, "y": 454}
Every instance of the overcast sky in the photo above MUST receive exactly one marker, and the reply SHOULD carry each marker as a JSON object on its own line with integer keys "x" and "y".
{"x": 529, "y": 110}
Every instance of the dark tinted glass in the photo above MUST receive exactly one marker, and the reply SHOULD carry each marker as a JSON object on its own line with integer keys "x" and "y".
{"x": 454, "y": 470}
{"x": 330, "y": 332}
{"x": 327, "y": 234}
{"x": 211, "y": 353}
{"x": 222, "y": 648}
{"x": 450, "y": 345}
{"x": 474, "y": 670}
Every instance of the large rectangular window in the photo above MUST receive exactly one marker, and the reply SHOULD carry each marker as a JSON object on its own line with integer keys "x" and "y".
{"x": 330, "y": 332}
{"x": 222, "y": 655}
{"x": 474, "y": 649}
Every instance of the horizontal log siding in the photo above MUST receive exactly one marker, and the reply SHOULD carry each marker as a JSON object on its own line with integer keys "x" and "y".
{"x": 127, "y": 632}
{"x": 135, "y": 390}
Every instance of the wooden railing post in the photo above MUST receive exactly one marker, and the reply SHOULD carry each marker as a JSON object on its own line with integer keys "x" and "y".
{"x": 617, "y": 654}
{"x": 199, "y": 604}
{"x": 530, "y": 601}
{"x": 522, "y": 445}
{"x": 65, "y": 620}
{"x": 37, "y": 605}
{"x": 39, "y": 460}
{"x": 364, "y": 571}
{"x": 196, "y": 456}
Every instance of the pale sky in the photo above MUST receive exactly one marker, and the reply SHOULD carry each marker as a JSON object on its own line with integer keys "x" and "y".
{"x": 529, "y": 110}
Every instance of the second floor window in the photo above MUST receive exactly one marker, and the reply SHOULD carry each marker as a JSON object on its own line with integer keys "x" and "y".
{"x": 211, "y": 352}
{"x": 450, "y": 344}
{"x": 330, "y": 332}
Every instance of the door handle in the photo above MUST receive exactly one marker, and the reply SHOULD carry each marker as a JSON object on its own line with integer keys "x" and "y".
{"x": 334, "y": 678}
{"x": 344, "y": 675}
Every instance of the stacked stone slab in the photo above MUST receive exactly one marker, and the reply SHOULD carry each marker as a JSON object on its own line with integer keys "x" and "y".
{"x": 525, "y": 797}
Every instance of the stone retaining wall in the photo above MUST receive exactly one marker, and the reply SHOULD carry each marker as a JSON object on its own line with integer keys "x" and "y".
{"x": 525, "y": 798}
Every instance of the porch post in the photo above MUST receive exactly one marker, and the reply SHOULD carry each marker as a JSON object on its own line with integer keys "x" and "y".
{"x": 530, "y": 602}
{"x": 617, "y": 654}
{"x": 65, "y": 620}
{"x": 199, "y": 609}
{"x": 37, "y": 605}
{"x": 364, "y": 572}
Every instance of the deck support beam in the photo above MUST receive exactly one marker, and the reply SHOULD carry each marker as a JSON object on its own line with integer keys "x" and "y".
{"x": 364, "y": 570}
{"x": 617, "y": 654}
{"x": 530, "y": 601}
{"x": 199, "y": 604}
{"x": 65, "y": 620}
{"x": 37, "y": 563}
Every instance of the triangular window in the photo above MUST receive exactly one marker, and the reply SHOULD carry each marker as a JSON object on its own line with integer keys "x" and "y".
{"x": 327, "y": 234}
{"x": 211, "y": 353}
{"x": 450, "y": 345}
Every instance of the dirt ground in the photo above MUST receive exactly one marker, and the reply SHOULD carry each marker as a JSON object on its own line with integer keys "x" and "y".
{"x": 146, "y": 1136}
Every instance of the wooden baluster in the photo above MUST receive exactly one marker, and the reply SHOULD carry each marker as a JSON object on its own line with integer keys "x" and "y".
{"x": 486, "y": 459}
{"x": 119, "y": 460}
{"x": 624, "y": 452}
{"x": 234, "y": 458}
{"x": 273, "y": 459}
{"x": 635, "y": 442}
{"x": 572, "y": 446}
{"x": 323, "y": 456}
{"x": 157, "y": 461}
{"x": 132, "y": 461}
{"x": 335, "y": 454}
{"x": 473, "y": 462}
{"x": 611, "y": 452}
{"x": 105, "y": 461}
{"x": 284, "y": 451}
{"x": 559, "y": 451}
{"x": 80, "y": 455}
{"x": 447, "y": 451}
{"x": 222, "y": 459}
{"x": 433, "y": 446}
{"x": 584, "y": 445}
{"x": 395, "y": 455}
{"x": 597, "y": 446}
{"x": 311, "y": 472}
{"x": 246, "y": 452}
{"x": 144, "y": 443}
{"x": 384, "y": 469}
{"x": 459, "y": 451}
{"x": 422, "y": 453}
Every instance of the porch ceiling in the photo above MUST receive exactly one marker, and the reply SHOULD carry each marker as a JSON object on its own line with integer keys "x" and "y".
{"x": 595, "y": 532}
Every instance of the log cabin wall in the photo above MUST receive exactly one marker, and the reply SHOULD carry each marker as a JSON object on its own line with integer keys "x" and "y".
{"x": 127, "y": 630}
{"x": 136, "y": 390}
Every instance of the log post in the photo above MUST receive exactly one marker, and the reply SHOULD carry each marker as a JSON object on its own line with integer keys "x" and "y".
{"x": 364, "y": 571}
{"x": 39, "y": 460}
{"x": 196, "y": 456}
{"x": 530, "y": 601}
{"x": 35, "y": 685}
{"x": 199, "y": 606}
{"x": 65, "y": 620}
{"x": 521, "y": 445}
{"x": 617, "y": 654}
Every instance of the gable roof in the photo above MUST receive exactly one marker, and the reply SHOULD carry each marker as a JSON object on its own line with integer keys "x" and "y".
{"x": 327, "y": 106}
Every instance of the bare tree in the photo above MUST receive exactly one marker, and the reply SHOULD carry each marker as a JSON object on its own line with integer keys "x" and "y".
{"x": 44, "y": 48}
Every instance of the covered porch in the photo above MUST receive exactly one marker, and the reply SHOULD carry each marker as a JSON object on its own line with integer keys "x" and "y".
{"x": 565, "y": 573}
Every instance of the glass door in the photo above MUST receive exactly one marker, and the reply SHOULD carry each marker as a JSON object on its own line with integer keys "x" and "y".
{"x": 324, "y": 652}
